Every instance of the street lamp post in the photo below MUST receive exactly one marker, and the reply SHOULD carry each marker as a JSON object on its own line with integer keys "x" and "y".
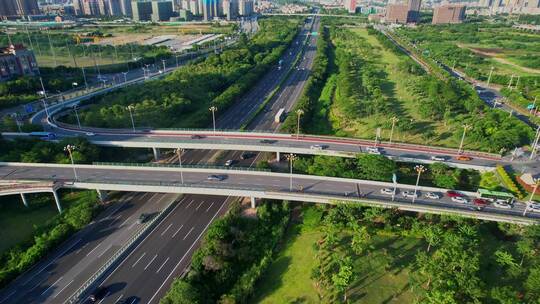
{"x": 536, "y": 184}
{"x": 77, "y": 116}
{"x": 46, "y": 109}
{"x": 420, "y": 169}
{"x": 290, "y": 157}
{"x": 213, "y": 109}
{"x": 179, "y": 152}
{"x": 489, "y": 77}
{"x": 394, "y": 119}
{"x": 465, "y": 128}
{"x": 535, "y": 143}
{"x": 69, "y": 149}
{"x": 533, "y": 106}
{"x": 84, "y": 77}
{"x": 299, "y": 113}
{"x": 176, "y": 61}
{"x": 130, "y": 108}
{"x": 164, "y": 68}
{"x": 125, "y": 76}
{"x": 43, "y": 87}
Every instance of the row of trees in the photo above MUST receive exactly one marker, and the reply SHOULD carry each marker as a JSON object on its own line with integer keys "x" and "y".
{"x": 182, "y": 99}
{"x": 235, "y": 252}
{"x": 457, "y": 104}
{"x": 460, "y": 260}
{"x": 380, "y": 168}
{"x": 81, "y": 208}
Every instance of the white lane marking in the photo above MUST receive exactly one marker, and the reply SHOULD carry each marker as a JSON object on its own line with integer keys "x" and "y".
{"x": 188, "y": 233}
{"x": 93, "y": 249}
{"x": 177, "y": 231}
{"x": 7, "y": 297}
{"x": 199, "y": 206}
{"x": 106, "y": 295}
{"x": 132, "y": 225}
{"x": 190, "y": 204}
{"x": 108, "y": 247}
{"x": 124, "y": 222}
{"x": 162, "y": 265}
{"x": 164, "y": 231}
{"x": 58, "y": 256}
{"x": 138, "y": 260}
{"x": 119, "y": 298}
{"x": 185, "y": 254}
{"x": 148, "y": 265}
{"x": 210, "y": 207}
{"x": 52, "y": 285}
{"x": 63, "y": 289}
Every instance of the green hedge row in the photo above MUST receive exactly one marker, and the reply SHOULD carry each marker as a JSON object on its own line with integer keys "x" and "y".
{"x": 509, "y": 182}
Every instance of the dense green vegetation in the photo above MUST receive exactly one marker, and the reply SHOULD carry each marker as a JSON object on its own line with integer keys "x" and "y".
{"x": 81, "y": 208}
{"x": 182, "y": 98}
{"x": 235, "y": 251}
{"x": 474, "y": 48}
{"x": 380, "y": 168}
{"x": 373, "y": 82}
{"x": 376, "y": 256}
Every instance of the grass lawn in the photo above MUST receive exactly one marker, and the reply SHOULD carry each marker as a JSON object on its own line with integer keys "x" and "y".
{"x": 404, "y": 105}
{"x": 20, "y": 223}
{"x": 288, "y": 279}
{"x": 381, "y": 276}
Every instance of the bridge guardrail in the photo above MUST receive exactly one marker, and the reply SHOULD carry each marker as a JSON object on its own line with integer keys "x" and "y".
{"x": 154, "y": 165}
{"x": 74, "y": 298}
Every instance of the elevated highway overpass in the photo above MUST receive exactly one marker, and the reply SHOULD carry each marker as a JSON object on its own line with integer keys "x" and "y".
{"x": 255, "y": 184}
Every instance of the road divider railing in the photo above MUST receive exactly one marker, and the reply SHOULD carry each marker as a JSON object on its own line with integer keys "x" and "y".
{"x": 177, "y": 166}
{"x": 119, "y": 254}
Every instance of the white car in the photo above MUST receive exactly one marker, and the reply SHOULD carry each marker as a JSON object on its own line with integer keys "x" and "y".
{"x": 90, "y": 134}
{"x": 459, "y": 199}
{"x": 409, "y": 194}
{"x": 387, "y": 191}
{"x": 317, "y": 147}
{"x": 230, "y": 162}
{"x": 438, "y": 158}
{"x": 373, "y": 150}
{"x": 502, "y": 205}
{"x": 534, "y": 207}
{"x": 433, "y": 195}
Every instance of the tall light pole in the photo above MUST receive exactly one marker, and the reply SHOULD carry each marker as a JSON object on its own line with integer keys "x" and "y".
{"x": 466, "y": 127}
{"x": 176, "y": 61}
{"x": 69, "y": 149}
{"x": 536, "y": 184}
{"x": 394, "y": 119}
{"x": 489, "y": 77}
{"x": 534, "y": 106}
{"x": 299, "y": 113}
{"x": 535, "y": 143}
{"x": 420, "y": 169}
{"x": 290, "y": 157}
{"x": 43, "y": 87}
{"x": 164, "y": 68}
{"x": 213, "y": 109}
{"x": 125, "y": 76}
{"x": 130, "y": 108}
{"x": 77, "y": 116}
{"x": 84, "y": 77}
{"x": 179, "y": 152}
{"x": 510, "y": 82}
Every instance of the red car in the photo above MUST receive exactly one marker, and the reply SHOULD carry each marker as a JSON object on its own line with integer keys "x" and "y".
{"x": 452, "y": 193}
{"x": 480, "y": 202}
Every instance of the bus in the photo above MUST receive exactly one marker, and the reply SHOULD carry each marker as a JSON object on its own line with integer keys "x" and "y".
{"x": 43, "y": 135}
{"x": 496, "y": 195}
{"x": 280, "y": 115}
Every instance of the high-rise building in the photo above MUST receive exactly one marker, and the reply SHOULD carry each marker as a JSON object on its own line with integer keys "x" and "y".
{"x": 125, "y": 7}
{"x": 350, "y": 6}
{"x": 449, "y": 13}
{"x": 162, "y": 10}
{"x": 414, "y": 11}
{"x": 230, "y": 9}
{"x": 16, "y": 60}
{"x": 245, "y": 7}
{"x": 194, "y": 7}
{"x": 87, "y": 7}
{"x": 141, "y": 10}
{"x": 211, "y": 9}
{"x": 396, "y": 13}
{"x": 18, "y": 7}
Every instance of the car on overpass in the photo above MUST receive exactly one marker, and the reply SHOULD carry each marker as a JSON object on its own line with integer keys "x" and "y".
{"x": 463, "y": 158}
{"x": 216, "y": 178}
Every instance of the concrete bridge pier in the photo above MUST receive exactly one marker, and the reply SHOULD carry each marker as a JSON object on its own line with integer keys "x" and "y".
{"x": 157, "y": 154}
{"x": 278, "y": 157}
{"x": 102, "y": 195}
{"x": 25, "y": 202}
{"x": 57, "y": 200}
{"x": 253, "y": 202}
